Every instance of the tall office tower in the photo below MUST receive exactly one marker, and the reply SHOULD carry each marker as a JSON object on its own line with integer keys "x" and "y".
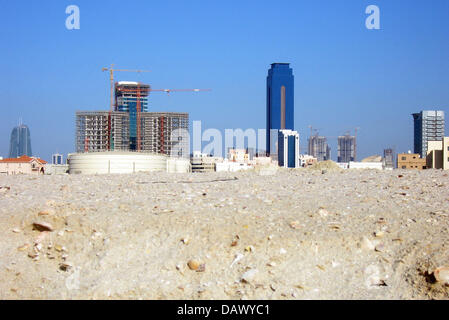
{"x": 280, "y": 102}
{"x": 57, "y": 158}
{"x": 20, "y": 143}
{"x": 428, "y": 126}
{"x": 128, "y": 95}
{"x": 346, "y": 148}
{"x": 389, "y": 158}
{"x": 288, "y": 145}
{"x": 318, "y": 148}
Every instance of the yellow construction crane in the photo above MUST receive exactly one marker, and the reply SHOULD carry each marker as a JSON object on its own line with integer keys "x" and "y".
{"x": 111, "y": 77}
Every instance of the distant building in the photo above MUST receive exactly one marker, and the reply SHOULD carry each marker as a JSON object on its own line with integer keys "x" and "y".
{"x": 411, "y": 161}
{"x": 201, "y": 162}
{"x": 20, "y": 143}
{"x": 438, "y": 154}
{"x": 288, "y": 149}
{"x": 346, "y": 148}
{"x": 319, "y": 148}
{"x": 428, "y": 126}
{"x": 365, "y": 165}
{"x": 389, "y": 156}
{"x": 22, "y": 165}
{"x": 57, "y": 159}
{"x": 306, "y": 160}
{"x": 280, "y": 102}
{"x": 238, "y": 155}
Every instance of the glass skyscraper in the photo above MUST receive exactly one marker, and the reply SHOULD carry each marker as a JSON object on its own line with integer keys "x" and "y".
{"x": 428, "y": 126}
{"x": 280, "y": 102}
{"x": 20, "y": 143}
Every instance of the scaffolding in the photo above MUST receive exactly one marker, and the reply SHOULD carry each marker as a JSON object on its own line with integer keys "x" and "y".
{"x": 93, "y": 132}
{"x": 158, "y": 132}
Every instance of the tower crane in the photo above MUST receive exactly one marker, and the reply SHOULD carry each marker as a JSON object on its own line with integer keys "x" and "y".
{"x": 147, "y": 91}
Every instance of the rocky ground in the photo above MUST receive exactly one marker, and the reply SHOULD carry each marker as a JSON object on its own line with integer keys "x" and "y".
{"x": 294, "y": 234}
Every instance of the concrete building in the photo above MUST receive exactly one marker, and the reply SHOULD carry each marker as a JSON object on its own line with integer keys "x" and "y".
{"x": 438, "y": 154}
{"x": 378, "y": 165}
{"x": 306, "y": 160}
{"x": 318, "y": 148}
{"x": 280, "y": 102}
{"x": 238, "y": 155}
{"x": 22, "y": 165}
{"x": 411, "y": 161}
{"x": 202, "y": 162}
{"x": 20, "y": 142}
{"x": 288, "y": 149}
{"x": 428, "y": 126}
{"x": 346, "y": 148}
{"x": 160, "y": 132}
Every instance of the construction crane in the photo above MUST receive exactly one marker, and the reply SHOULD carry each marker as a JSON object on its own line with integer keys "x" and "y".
{"x": 111, "y": 78}
{"x": 143, "y": 90}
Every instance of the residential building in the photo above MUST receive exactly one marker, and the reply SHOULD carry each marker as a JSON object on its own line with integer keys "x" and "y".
{"x": 288, "y": 149}
{"x": 20, "y": 142}
{"x": 306, "y": 160}
{"x": 280, "y": 103}
{"x": 319, "y": 148}
{"x": 22, "y": 165}
{"x": 428, "y": 126}
{"x": 346, "y": 148}
{"x": 238, "y": 155}
{"x": 411, "y": 161}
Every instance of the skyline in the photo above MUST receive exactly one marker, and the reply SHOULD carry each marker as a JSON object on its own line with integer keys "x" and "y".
{"x": 338, "y": 65}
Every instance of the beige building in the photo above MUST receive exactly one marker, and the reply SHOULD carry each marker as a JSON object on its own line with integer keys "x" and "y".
{"x": 22, "y": 165}
{"x": 438, "y": 154}
{"x": 411, "y": 161}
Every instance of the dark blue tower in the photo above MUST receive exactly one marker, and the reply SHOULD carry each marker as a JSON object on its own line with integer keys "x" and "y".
{"x": 280, "y": 102}
{"x": 20, "y": 143}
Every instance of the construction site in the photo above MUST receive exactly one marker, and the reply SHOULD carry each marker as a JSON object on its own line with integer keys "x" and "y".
{"x": 128, "y": 126}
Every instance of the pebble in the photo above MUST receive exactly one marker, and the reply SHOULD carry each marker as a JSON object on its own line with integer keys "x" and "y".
{"x": 16, "y": 230}
{"x": 43, "y": 226}
{"x": 282, "y": 251}
{"x": 442, "y": 275}
{"x": 367, "y": 244}
{"x": 193, "y": 264}
{"x": 237, "y": 258}
{"x": 249, "y": 275}
{"x": 24, "y": 247}
{"x": 249, "y": 249}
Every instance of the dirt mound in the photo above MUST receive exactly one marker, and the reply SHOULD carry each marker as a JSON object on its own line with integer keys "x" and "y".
{"x": 326, "y": 165}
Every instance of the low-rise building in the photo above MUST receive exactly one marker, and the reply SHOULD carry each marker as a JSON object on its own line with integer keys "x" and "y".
{"x": 306, "y": 160}
{"x": 438, "y": 154}
{"x": 411, "y": 161}
{"x": 22, "y": 165}
{"x": 366, "y": 165}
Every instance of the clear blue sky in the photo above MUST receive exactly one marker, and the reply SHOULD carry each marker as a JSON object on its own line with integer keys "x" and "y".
{"x": 345, "y": 75}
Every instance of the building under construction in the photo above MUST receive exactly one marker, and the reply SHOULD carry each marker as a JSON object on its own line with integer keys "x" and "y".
{"x": 318, "y": 148}
{"x": 160, "y": 132}
{"x": 346, "y": 148}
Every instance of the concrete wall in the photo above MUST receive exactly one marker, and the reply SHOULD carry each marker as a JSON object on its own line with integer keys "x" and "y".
{"x": 365, "y": 165}
{"x": 115, "y": 162}
{"x": 446, "y": 153}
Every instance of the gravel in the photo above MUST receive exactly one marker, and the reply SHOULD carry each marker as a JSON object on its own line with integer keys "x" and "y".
{"x": 294, "y": 234}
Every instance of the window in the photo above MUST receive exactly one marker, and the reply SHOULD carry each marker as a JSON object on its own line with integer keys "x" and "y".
{"x": 403, "y": 158}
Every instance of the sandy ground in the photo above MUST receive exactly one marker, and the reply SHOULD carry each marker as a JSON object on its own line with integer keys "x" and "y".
{"x": 297, "y": 234}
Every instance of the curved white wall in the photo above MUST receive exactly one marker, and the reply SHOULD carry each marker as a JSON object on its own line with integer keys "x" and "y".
{"x": 115, "y": 162}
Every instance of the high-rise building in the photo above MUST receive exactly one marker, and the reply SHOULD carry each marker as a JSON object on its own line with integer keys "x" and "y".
{"x": 318, "y": 148}
{"x": 428, "y": 126}
{"x": 57, "y": 159}
{"x": 132, "y": 97}
{"x": 389, "y": 156}
{"x": 20, "y": 143}
{"x": 346, "y": 148}
{"x": 161, "y": 132}
{"x": 280, "y": 102}
{"x": 288, "y": 145}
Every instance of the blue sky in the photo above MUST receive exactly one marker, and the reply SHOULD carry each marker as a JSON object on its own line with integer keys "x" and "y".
{"x": 345, "y": 75}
